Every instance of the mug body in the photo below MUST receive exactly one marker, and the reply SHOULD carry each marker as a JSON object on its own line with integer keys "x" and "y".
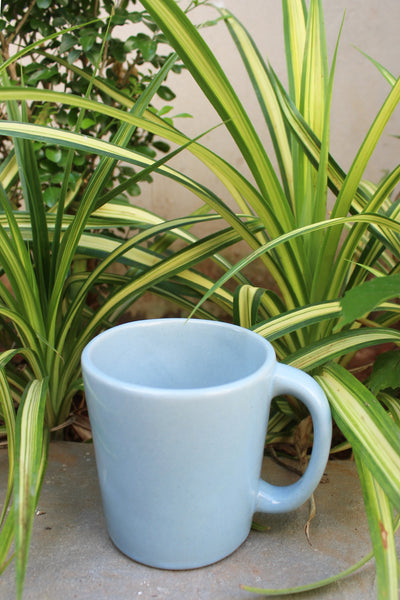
{"x": 179, "y": 413}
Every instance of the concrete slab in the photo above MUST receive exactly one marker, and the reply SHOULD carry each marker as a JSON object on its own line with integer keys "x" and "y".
{"x": 72, "y": 556}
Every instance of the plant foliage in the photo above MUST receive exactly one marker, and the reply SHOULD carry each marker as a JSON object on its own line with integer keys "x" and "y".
{"x": 65, "y": 38}
{"x": 57, "y": 286}
{"x": 317, "y": 261}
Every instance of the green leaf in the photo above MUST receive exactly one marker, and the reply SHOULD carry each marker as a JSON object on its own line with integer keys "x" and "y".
{"x": 392, "y": 404}
{"x": 145, "y": 150}
{"x": 310, "y": 586}
{"x": 147, "y": 46}
{"x": 30, "y": 179}
{"x": 79, "y": 160}
{"x": 366, "y": 425}
{"x": 352, "y": 182}
{"x": 283, "y": 322}
{"x": 31, "y": 458}
{"x": 361, "y": 300}
{"x": 8, "y": 415}
{"x": 87, "y": 41}
{"x": 246, "y": 303}
{"x": 339, "y": 344}
{"x": 386, "y": 372}
{"x": 260, "y": 78}
{"x": 164, "y": 110}
{"x": 162, "y": 146}
{"x": 166, "y": 93}
{"x": 183, "y": 116}
{"x": 42, "y": 74}
{"x": 87, "y": 122}
{"x": 381, "y": 525}
{"x": 51, "y": 196}
{"x": 135, "y": 17}
{"x": 386, "y": 74}
{"x": 68, "y": 41}
{"x": 6, "y": 539}
{"x": 73, "y": 55}
{"x": 53, "y": 154}
{"x": 133, "y": 189}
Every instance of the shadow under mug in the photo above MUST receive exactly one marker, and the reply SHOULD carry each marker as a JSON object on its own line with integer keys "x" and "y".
{"x": 179, "y": 412}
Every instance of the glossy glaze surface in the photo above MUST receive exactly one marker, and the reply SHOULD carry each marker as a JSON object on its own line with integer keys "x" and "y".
{"x": 179, "y": 413}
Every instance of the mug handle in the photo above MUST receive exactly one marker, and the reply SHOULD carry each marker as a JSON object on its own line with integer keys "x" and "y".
{"x": 279, "y": 499}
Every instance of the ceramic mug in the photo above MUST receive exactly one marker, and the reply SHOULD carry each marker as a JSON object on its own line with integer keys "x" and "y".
{"x": 179, "y": 411}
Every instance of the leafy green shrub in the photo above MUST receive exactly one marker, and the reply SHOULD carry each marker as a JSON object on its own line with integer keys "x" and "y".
{"x": 120, "y": 44}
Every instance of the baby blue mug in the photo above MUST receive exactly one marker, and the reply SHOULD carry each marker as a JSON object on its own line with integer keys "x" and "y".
{"x": 179, "y": 412}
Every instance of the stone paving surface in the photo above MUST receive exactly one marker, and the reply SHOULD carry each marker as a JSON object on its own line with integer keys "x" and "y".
{"x": 72, "y": 557}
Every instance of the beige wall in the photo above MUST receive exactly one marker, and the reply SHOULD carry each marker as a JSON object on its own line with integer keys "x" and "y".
{"x": 359, "y": 90}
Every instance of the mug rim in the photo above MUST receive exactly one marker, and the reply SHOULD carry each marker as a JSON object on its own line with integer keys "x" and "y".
{"x": 89, "y": 366}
